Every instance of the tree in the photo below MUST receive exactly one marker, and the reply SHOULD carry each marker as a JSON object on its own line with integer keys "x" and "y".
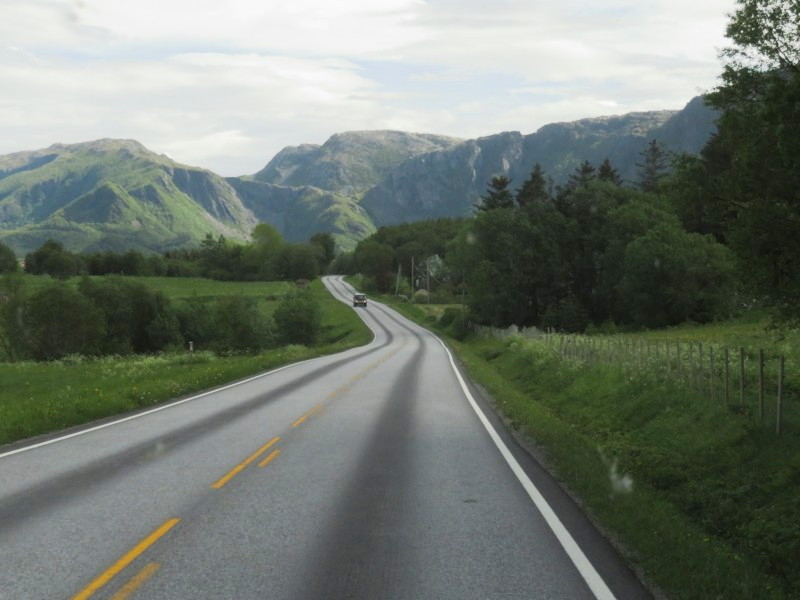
{"x": 608, "y": 173}
{"x": 8, "y": 260}
{"x": 671, "y": 276}
{"x": 751, "y": 180}
{"x": 325, "y": 247}
{"x": 59, "y": 320}
{"x": 512, "y": 264}
{"x": 653, "y": 167}
{"x": 12, "y": 326}
{"x": 298, "y": 318}
{"x": 376, "y": 261}
{"x": 52, "y": 259}
{"x": 582, "y": 175}
{"x": 240, "y": 325}
{"x": 534, "y": 189}
{"x": 497, "y": 194}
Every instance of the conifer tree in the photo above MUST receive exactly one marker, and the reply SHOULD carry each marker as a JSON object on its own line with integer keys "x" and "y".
{"x": 653, "y": 167}
{"x": 497, "y": 194}
{"x": 582, "y": 175}
{"x": 608, "y": 173}
{"x": 534, "y": 189}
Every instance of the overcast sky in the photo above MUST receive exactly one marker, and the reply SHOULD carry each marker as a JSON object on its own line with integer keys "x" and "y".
{"x": 225, "y": 84}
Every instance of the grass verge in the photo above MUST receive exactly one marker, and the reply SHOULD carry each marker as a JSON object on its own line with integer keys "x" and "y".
{"x": 700, "y": 500}
{"x": 37, "y": 398}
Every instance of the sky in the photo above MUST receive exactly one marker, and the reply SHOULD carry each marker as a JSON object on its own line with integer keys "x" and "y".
{"x": 226, "y": 84}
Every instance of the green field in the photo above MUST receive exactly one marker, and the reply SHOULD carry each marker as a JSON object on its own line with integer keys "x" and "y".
{"x": 700, "y": 497}
{"x": 36, "y": 398}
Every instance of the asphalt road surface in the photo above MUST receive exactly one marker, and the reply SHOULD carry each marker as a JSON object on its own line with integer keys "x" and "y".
{"x": 375, "y": 473}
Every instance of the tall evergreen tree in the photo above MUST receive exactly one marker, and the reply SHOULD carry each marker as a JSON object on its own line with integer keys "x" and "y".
{"x": 608, "y": 173}
{"x": 582, "y": 175}
{"x": 534, "y": 189}
{"x": 653, "y": 167}
{"x": 497, "y": 194}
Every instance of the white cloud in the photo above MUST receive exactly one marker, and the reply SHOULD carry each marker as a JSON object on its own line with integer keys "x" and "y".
{"x": 225, "y": 85}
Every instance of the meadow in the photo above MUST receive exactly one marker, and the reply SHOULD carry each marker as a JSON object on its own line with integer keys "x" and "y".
{"x": 37, "y": 398}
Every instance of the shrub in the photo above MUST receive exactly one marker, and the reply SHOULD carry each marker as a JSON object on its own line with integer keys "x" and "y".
{"x": 60, "y": 321}
{"x": 298, "y": 318}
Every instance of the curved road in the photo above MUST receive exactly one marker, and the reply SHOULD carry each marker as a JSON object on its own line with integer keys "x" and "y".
{"x": 375, "y": 473}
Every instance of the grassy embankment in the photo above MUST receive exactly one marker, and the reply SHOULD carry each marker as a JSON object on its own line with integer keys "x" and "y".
{"x": 36, "y": 398}
{"x": 701, "y": 497}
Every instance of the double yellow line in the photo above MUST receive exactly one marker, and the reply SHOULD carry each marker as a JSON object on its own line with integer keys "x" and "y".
{"x": 241, "y": 466}
{"x": 123, "y": 562}
{"x": 150, "y": 569}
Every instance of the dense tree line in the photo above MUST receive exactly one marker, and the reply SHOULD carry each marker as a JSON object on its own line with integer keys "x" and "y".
{"x": 116, "y": 315}
{"x": 588, "y": 253}
{"x": 266, "y": 258}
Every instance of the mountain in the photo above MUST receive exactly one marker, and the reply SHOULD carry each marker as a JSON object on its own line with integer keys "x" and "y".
{"x": 116, "y": 194}
{"x": 113, "y": 194}
{"x": 300, "y": 212}
{"x": 349, "y": 163}
{"x": 450, "y": 182}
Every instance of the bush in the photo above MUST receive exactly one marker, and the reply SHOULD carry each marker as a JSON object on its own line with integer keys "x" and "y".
{"x": 8, "y": 260}
{"x": 241, "y": 326}
{"x": 60, "y": 321}
{"x": 448, "y": 316}
{"x": 298, "y": 318}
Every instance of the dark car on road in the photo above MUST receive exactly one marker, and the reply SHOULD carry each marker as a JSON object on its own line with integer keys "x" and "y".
{"x": 359, "y": 300}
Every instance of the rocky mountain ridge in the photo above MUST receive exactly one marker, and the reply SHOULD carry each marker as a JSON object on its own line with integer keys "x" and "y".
{"x": 116, "y": 194}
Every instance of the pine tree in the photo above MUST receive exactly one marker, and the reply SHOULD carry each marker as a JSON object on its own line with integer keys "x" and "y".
{"x": 582, "y": 175}
{"x": 653, "y": 167}
{"x": 534, "y": 189}
{"x": 608, "y": 173}
{"x": 497, "y": 194}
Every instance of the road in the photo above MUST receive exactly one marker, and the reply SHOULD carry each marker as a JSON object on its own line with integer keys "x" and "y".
{"x": 375, "y": 473}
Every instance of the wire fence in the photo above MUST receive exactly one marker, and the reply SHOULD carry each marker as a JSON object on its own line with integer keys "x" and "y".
{"x": 752, "y": 382}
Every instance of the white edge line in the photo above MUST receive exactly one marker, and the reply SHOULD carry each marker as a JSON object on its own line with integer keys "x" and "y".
{"x": 151, "y": 411}
{"x": 590, "y": 575}
{"x": 163, "y": 407}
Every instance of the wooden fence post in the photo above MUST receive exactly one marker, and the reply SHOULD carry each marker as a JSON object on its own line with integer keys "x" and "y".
{"x": 711, "y": 370}
{"x": 741, "y": 376}
{"x": 761, "y": 385}
{"x": 727, "y": 378}
{"x": 779, "y": 411}
{"x": 700, "y": 378}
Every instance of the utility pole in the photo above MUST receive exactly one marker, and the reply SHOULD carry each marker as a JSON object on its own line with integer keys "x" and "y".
{"x": 413, "y": 274}
{"x": 428, "y": 277}
{"x": 397, "y": 285}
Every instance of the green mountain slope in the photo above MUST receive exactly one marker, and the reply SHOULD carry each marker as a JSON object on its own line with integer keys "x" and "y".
{"x": 113, "y": 194}
{"x": 300, "y": 212}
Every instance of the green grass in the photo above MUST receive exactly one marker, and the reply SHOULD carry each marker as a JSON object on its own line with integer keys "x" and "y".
{"x": 37, "y": 398}
{"x": 699, "y": 498}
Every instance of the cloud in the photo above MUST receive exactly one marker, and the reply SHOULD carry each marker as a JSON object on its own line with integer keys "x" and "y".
{"x": 225, "y": 85}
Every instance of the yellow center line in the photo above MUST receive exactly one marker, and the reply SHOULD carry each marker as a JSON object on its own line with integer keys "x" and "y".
{"x": 309, "y": 413}
{"x": 123, "y": 562}
{"x": 270, "y": 456}
{"x": 346, "y": 387}
{"x": 136, "y": 582}
{"x": 242, "y": 465}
